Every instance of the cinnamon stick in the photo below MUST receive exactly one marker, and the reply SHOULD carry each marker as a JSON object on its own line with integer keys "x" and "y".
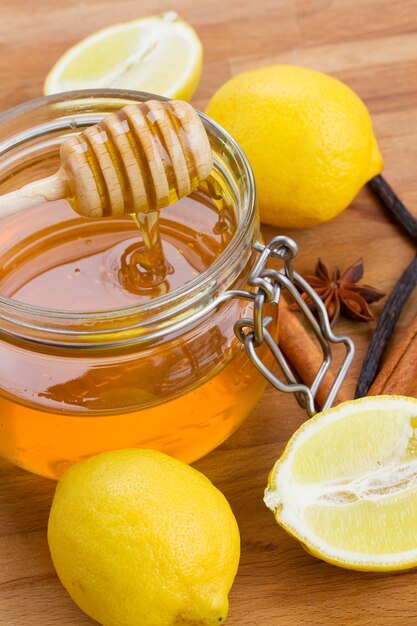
{"x": 304, "y": 354}
{"x": 398, "y": 375}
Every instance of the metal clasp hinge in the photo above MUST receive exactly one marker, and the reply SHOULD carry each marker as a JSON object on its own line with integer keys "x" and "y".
{"x": 253, "y": 332}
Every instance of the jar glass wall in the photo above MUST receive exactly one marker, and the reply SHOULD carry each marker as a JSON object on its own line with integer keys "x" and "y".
{"x": 167, "y": 373}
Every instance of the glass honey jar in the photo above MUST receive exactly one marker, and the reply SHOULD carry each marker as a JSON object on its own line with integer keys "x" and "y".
{"x": 88, "y": 362}
{"x": 94, "y": 353}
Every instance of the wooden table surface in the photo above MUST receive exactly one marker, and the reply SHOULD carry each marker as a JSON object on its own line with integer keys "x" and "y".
{"x": 372, "y": 46}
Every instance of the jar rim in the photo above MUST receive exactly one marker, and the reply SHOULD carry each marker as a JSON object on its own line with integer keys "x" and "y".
{"x": 12, "y": 310}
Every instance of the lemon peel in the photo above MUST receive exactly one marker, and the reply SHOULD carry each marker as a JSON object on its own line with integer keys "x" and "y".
{"x": 308, "y": 138}
{"x": 138, "y": 537}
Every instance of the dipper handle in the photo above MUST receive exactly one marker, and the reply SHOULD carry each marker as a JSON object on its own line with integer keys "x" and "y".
{"x": 140, "y": 159}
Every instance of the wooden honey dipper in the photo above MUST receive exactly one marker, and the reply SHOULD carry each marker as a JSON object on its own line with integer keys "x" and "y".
{"x": 137, "y": 160}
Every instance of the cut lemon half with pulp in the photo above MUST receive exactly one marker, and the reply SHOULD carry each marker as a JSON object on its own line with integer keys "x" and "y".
{"x": 346, "y": 484}
{"x": 159, "y": 54}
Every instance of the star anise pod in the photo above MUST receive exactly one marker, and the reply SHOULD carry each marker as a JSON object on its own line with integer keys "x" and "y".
{"x": 342, "y": 293}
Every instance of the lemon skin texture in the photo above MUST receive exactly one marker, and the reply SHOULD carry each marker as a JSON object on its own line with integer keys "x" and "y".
{"x": 308, "y": 138}
{"x": 141, "y": 539}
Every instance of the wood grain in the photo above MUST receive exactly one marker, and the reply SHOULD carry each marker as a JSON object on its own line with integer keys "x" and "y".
{"x": 370, "y": 44}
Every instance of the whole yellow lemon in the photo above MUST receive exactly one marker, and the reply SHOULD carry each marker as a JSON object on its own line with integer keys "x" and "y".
{"x": 308, "y": 138}
{"x": 141, "y": 539}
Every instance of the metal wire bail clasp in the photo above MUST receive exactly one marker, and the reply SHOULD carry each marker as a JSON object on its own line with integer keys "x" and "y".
{"x": 269, "y": 284}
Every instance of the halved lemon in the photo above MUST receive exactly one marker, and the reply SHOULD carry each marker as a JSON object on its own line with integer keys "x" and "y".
{"x": 159, "y": 54}
{"x": 346, "y": 484}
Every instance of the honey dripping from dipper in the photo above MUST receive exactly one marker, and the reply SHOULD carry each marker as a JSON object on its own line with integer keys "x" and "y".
{"x": 139, "y": 160}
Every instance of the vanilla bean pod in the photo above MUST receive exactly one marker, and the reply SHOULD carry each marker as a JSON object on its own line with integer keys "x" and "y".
{"x": 386, "y": 324}
{"x": 399, "y": 295}
{"x": 393, "y": 204}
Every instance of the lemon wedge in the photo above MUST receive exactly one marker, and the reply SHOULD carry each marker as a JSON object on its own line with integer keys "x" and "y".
{"x": 159, "y": 54}
{"x": 346, "y": 484}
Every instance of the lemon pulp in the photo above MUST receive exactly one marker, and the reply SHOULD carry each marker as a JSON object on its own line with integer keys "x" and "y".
{"x": 159, "y": 54}
{"x": 346, "y": 485}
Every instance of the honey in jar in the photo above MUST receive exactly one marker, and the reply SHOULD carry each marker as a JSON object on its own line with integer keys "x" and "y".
{"x": 101, "y": 348}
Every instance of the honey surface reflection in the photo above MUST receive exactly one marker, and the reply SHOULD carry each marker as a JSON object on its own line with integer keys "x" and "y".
{"x": 66, "y": 262}
{"x": 183, "y": 396}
